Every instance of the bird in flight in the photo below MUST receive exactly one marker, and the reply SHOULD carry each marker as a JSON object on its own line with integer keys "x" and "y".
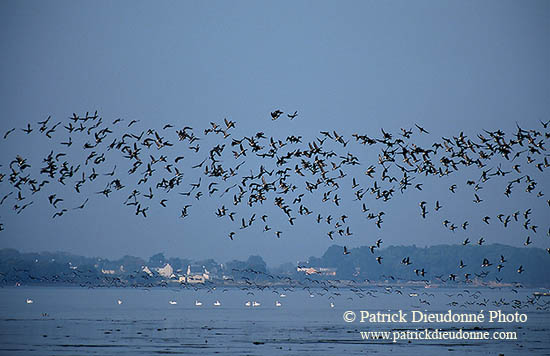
{"x": 276, "y": 114}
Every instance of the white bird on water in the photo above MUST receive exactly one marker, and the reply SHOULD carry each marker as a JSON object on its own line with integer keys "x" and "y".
{"x": 197, "y": 303}
{"x": 255, "y": 304}
{"x": 119, "y": 302}
{"x": 332, "y": 305}
{"x": 247, "y": 304}
{"x": 173, "y": 302}
{"x": 278, "y": 304}
{"x": 29, "y": 301}
{"x": 217, "y": 303}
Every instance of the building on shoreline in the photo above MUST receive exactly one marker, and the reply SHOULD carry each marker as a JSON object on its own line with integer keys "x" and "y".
{"x": 322, "y": 271}
{"x": 197, "y": 274}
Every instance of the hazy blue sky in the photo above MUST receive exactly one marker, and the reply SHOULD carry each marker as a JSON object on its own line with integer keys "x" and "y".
{"x": 353, "y": 66}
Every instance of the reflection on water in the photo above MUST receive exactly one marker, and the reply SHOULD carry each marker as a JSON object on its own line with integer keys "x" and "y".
{"x": 69, "y": 321}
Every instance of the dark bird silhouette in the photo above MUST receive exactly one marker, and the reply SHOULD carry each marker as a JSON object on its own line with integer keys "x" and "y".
{"x": 28, "y": 130}
{"x": 8, "y": 132}
{"x": 275, "y": 114}
{"x": 421, "y": 129}
{"x": 292, "y": 116}
{"x": 59, "y": 213}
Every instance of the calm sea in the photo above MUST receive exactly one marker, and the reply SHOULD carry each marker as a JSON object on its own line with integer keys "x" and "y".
{"x": 81, "y": 321}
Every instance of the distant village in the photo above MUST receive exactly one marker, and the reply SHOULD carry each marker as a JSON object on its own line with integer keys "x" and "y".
{"x": 49, "y": 268}
{"x": 219, "y": 273}
{"x": 358, "y": 267}
{"x": 193, "y": 274}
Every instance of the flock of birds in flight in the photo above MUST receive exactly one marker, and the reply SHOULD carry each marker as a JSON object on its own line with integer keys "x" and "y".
{"x": 286, "y": 172}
